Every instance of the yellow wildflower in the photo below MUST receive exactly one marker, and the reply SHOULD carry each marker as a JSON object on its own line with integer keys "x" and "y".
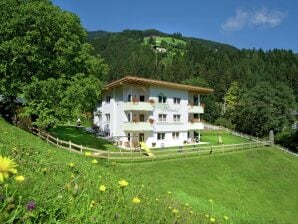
{"x": 71, "y": 165}
{"x": 175, "y": 211}
{"x": 123, "y": 183}
{"x": 207, "y": 216}
{"x": 94, "y": 161}
{"x": 210, "y": 200}
{"x": 212, "y": 220}
{"x": 226, "y": 217}
{"x": 19, "y": 178}
{"x": 7, "y": 166}
{"x": 169, "y": 192}
{"x": 186, "y": 205}
{"x": 190, "y": 212}
{"x": 136, "y": 200}
{"x": 92, "y": 204}
{"x": 87, "y": 154}
{"x": 102, "y": 188}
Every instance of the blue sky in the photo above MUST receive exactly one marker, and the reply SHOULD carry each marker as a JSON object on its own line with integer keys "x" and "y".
{"x": 263, "y": 24}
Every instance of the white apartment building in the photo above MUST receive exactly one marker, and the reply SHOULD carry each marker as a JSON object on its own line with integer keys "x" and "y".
{"x": 159, "y": 113}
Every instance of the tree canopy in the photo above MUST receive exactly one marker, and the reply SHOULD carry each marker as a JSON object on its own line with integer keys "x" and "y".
{"x": 45, "y": 56}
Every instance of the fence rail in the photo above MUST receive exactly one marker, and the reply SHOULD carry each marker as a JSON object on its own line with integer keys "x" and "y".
{"x": 138, "y": 155}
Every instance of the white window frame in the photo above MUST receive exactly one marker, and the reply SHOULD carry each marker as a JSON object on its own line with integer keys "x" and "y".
{"x": 176, "y": 117}
{"x": 162, "y": 117}
{"x": 177, "y": 100}
{"x": 175, "y": 135}
{"x": 161, "y": 136}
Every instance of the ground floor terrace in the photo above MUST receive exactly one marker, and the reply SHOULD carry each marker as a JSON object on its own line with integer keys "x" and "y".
{"x": 132, "y": 140}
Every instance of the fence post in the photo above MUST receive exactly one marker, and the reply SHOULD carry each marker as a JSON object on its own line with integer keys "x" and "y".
{"x": 57, "y": 142}
{"x": 81, "y": 149}
{"x": 69, "y": 145}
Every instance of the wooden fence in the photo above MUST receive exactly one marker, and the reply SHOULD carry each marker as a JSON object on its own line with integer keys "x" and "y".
{"x": 159, "y": 154}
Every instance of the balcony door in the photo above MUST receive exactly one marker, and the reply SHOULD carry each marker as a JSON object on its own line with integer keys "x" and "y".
{"x": 142, "y": 117}
{"x": 141, "y": 137}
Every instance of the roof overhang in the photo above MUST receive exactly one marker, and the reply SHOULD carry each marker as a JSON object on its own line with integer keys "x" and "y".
{"x": 133, "y": 80}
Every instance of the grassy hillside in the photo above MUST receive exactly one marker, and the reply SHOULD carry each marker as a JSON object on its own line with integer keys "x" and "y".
{"x": 257, "y": 186}
{"x": 60, "y": 187}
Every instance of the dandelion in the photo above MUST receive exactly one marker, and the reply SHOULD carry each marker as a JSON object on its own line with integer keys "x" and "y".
{"x": 44, "y": 170}
{"x": 212, "y": 220}
{"x": 190, "y": 212}
{"x": 7, "y": 166}
{"x": 175, "y": 211}
{"x": 156, "y": 199}
{"x": 136, "y": 200}
{"x": 226, "y": 217}
{"x": 123, "y": 183}
{"x": 169, "y": 192}
{"x": 102, "y": 188}
{"x": 19, "y": 178}
{"x": 210, "y": 200}
{"x": 71, "y": 165}
{"x": 31, "y": 205}
{"x": 207, "y": 216}
{"x": 87, "y": 154}
{"x": 92, "y": 204}
{"x": 186, "y": 205}
{"x": 94, "y": 161}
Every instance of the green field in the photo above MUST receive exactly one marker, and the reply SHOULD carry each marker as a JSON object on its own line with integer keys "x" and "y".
{"x": 168, "y": 40}
{"x": 253, "y": 186}
{"x": 81, "y": 137}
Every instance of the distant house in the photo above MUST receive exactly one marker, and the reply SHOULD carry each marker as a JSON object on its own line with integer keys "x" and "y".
{"x": 159, "y": 49}
{"x": 156, "y": 112}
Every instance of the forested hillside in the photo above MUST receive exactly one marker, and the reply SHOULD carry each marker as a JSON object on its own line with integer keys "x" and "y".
{"x": 271, "y": 73}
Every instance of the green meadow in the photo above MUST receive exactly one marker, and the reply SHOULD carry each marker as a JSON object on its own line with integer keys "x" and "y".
{"x": 253, "y": 186}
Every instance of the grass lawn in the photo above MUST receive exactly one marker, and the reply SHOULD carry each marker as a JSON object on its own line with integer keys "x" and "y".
{"x": 80, "y": 137}
{"x": 227, "y": 138}
{"x": 253, "y": 186}
{"x": 257, "y": 186}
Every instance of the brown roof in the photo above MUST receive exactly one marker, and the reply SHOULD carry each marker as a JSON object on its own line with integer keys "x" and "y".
{"x": 154, "y": 82}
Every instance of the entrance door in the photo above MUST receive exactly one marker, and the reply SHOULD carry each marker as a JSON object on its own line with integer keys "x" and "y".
{"x": 141, "y": 137}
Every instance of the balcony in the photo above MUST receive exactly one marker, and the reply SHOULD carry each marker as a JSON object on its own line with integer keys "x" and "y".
{"x": 195, "y": 126}
{"x": 195, "y": 109}
{"x": 138, "y": 106}
{"x": 137, "y": 126}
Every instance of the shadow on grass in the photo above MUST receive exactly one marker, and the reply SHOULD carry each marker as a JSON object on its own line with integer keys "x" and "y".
{"x": 81, "y": 137}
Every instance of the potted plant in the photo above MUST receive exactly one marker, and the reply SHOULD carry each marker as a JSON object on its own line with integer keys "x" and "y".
{"x": 135, "y": 100}
{"x": 151, "y": 120}
{"x": 151, "y": 101}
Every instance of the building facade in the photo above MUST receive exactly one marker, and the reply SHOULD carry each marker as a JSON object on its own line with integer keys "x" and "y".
{"x": 161, "y": 114}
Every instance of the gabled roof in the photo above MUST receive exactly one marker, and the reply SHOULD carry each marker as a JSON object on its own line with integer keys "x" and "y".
{"x": 153, "y": 82}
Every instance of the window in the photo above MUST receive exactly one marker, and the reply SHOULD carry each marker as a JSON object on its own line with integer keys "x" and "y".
{"x": 162, "y": 99}
{"x": 129, "y": 98}
{"x": 128, "y": 136}
{"x": 108, "y": 117}
{"x": 175, "y": 135}
{"x": 108, "y": 99}
{"x": 128, "y": 117}
{"x": 142, "y": 98}
{"x": 161, "y": 136}
{"x": 142, "y": 117}
{"x": 177, "y": 100}
{"x": 162, "y": 117}
{"x": 176, "y": 117}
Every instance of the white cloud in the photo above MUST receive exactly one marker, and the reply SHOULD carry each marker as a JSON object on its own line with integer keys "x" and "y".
{"x": 267, "y": 18}
{"x": 263, "y": 18}
{"x": 237, "y": 22}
